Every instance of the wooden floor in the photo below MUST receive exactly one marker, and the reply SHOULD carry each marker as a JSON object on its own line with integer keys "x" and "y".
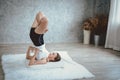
{"x": 103, "y": 63}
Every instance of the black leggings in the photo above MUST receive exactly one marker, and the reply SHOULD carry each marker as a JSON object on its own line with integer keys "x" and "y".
{"x": 37, "y": 39}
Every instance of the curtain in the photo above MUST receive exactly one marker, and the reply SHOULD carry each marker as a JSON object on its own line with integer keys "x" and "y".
{"x": 113, "y": 31}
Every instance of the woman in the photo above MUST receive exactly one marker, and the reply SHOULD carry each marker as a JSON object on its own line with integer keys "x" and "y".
{"x": 40, "y": 54}
{"x": 43, "y": 57}
{"x": 39, "y": 27}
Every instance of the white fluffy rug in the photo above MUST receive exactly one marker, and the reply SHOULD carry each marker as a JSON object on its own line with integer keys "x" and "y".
{"x": 15, "y": 68}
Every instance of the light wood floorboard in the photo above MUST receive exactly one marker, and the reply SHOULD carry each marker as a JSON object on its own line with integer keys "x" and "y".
{"x": 103, "y": 63}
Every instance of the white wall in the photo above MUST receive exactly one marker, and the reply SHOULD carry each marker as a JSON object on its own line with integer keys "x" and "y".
{"x": 65, "y": 17}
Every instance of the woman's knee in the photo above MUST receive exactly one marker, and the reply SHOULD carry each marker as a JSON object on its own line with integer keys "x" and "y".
{"x": 39, "y": 16}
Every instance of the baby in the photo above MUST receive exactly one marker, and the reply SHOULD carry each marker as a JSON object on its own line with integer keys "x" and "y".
{"x": 41, "y": 56}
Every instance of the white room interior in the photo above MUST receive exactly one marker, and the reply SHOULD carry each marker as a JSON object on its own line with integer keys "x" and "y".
{"x": 65, "y": 19}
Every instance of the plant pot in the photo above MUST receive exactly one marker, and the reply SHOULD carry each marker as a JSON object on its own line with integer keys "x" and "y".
{"x": 86, "y": 39}
{"x": 96, "y": 40}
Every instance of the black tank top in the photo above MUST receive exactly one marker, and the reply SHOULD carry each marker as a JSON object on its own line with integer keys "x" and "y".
{"x": 37, "y": 39}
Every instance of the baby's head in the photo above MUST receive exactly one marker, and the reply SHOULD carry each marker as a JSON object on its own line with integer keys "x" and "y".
{"x": 54, "y": 57}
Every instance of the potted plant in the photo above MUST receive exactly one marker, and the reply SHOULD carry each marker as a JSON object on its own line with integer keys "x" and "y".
{"x": 87, "y": 28}
{"x": 97, "y": 25}
{"x": 100, "y": 29}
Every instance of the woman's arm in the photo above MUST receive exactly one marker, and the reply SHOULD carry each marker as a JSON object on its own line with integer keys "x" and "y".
{"x": 30, "y": 48}
{"x": 33, "y": 58}
{"x": 37, "y": 62}
{"x": 42, "y": 61}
